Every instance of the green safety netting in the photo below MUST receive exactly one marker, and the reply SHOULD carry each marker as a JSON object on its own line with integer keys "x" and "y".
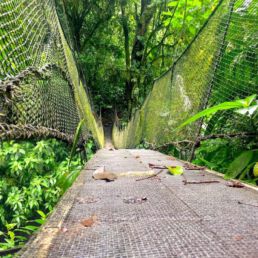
{"x": 219, "y": 65}
{"x": 41, "y": 93}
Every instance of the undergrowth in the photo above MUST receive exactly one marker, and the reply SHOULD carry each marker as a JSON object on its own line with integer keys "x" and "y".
{"x": 235, "y": 158}
{"x": 34, "y": 175}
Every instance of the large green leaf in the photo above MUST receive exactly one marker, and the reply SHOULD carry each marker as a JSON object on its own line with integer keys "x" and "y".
{"x": 256, "y": 169}
{"x": 76, "y": 140}
{"x": 247, "y": 101}
{"x": 248, "y": 111}
{"x": 68, "y": 179}
{"x": 237, "y": 104}
{"x": 246, "y": 170}
{"x": 239, "y": 164}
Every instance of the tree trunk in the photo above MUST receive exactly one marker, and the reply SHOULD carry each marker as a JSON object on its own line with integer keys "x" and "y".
{"x": 141, "y": 28}
{"x": 128, "y": 85}
{"x": 135, "y": 58}
{"x": 143, "y": 22}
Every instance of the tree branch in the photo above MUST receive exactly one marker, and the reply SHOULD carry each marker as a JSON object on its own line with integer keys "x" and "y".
{"x": 199, "y": 139}
{"x": 221, "y": 136}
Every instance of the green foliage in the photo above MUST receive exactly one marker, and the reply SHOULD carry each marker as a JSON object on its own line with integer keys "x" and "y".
{"x": 123, "y": 45}
{"x": 242, "y": 165}
{"x": 76, "y": 140}
{"x": 255, "y": 169}
{"x": 143, "y": 145}
{"x": 90, "y": 149}
{"x": 235, "y": 158}
{"x": 17, "y": 237}
{"x": 247, "y": 106}
{"x": 34, "y": 175}
{"x": 28, "y": 178}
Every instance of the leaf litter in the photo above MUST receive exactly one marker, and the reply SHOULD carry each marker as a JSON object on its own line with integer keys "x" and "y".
{"x": 87, "y": 200}
{"x": 89, "y": 222}
{"x": 149, "y": 177}
{"x": 101, "y": 174}
{"x": 248, "y": 204}
{"x": 193, "y": 167}
{"x": 135, "y": 200}
{"x": 200, "y": 182}
{"x": 235, "y": 184}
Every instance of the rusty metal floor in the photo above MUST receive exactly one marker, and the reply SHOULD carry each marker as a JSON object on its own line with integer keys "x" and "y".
{"x": 176, "y": 220}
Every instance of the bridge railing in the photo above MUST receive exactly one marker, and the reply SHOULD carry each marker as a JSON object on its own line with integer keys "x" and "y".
{"x": 219, "y": 65}
{"x": 41, "y": 92}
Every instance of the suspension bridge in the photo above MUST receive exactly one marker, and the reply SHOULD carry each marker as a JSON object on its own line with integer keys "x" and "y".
{"x": 142, "y": 210}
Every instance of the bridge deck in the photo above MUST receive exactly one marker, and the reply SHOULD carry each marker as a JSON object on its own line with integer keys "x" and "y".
{"x": 156, "y": 217}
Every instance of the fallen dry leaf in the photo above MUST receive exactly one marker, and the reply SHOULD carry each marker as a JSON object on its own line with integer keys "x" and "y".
{"x": 234, "y": 184}
{"x": 99, "y": 170}
{"x": 193, "y": 167}
{"x": 133, "y": 200}
{"x": 89, "y": 222}
{"x": 63, "y": 230}
{"x": 248, "y": 204}
{"x": 200, "y": 182}
{"x": 101, "y": 174}
{"x": 87, "y": 200}
{"x": 137, "y": 157}
{"x": 238, "y": 237}
{"x": 151, "y": 176}
{"x": 157, "y": 166}
{"x": 171, "y": 158}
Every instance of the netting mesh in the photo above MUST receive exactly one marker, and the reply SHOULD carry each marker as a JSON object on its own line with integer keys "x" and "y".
{"x": 40, "y": 88}
{"x": 220, "y": 65}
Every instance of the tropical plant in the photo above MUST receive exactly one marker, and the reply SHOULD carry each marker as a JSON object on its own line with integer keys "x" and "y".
{"x": 243, "y": 166}
{"x": 16, "y": 237}
{"x": 76, "y": 141}
{"x": 232, "y": 157}
{"x": 247, "y": 106}
{"x": 32, "y": 181}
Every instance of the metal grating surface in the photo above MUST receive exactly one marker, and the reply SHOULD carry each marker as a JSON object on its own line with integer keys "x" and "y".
{"x": 177, "y": 220}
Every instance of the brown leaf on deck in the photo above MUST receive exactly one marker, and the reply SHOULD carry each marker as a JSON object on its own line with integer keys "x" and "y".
{"x": 238, "y": 237}
{"x": 248, "y": 204}
{"x": 134, "y": 200}
{"x": 156, "y": 166}
{"x": 89, "y": 221}
{"x": 193, "y": 167}
{"x": 235, "y": 184}
{"x": 200, "y": 182}
{"x": 101, "y": 174}
{"x": 150, "y": 177}
{"x": 99, "y": 170}
{"x": 87, "y": 200}
{"x": 63, "y": 230}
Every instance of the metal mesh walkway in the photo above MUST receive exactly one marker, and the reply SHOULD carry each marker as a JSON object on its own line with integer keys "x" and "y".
{"x": 168, "y": 218}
